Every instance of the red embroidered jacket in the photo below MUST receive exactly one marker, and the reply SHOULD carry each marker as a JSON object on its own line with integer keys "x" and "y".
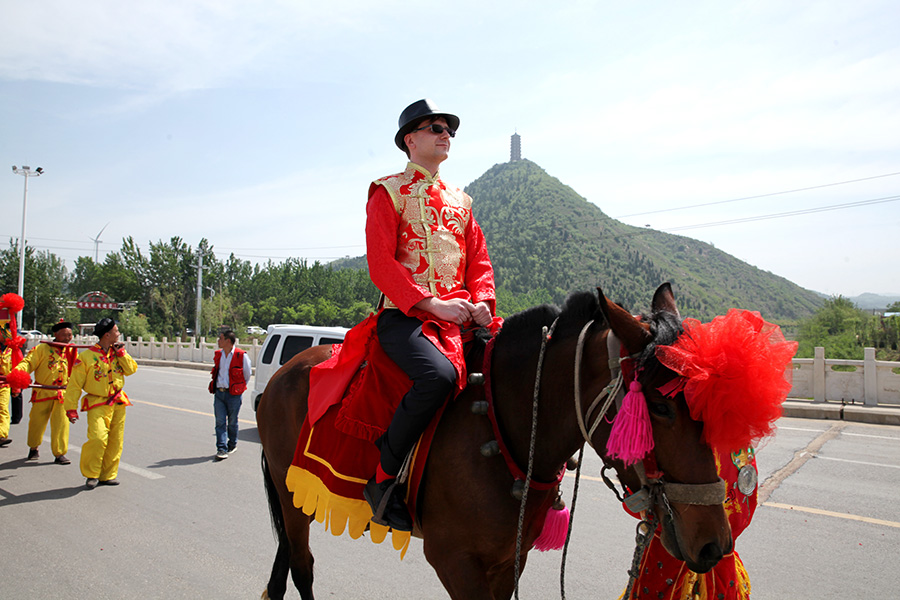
{"x": 422, "y": 240}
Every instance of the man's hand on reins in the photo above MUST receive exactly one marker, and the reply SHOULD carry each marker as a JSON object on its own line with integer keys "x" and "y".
{"x": 455, "y": 310}
{"x": 481, "y": 314}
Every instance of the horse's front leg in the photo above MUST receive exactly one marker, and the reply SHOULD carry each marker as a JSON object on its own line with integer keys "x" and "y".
{"x": 503, "y": 580}
{"x": 462, "y": 574}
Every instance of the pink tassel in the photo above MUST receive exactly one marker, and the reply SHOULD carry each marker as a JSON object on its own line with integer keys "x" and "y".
{"x": 556, "y": 527}
{"x": 631, "y": 437}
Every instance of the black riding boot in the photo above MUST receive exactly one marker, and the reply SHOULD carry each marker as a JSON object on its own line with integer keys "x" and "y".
{"x": 387, "y": 508}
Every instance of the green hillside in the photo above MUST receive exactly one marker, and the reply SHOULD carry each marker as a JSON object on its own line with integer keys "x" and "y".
{"x": 546, "y": 241}
{"x": 542, "y": 235}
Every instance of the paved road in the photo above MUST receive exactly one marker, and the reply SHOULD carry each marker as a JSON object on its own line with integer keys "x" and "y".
{"x": 183, "y": 526}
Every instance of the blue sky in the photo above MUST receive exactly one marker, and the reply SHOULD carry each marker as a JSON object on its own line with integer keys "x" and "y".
{"x": 258, "y": 125}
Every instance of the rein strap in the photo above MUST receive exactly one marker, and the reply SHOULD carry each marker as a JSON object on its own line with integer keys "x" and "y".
{"x": 612, "y": 392}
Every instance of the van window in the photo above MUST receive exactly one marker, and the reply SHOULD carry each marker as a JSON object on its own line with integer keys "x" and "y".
{"x": 271, "y": 344}
{"x": 294, "y": 344}
{"x": 326, "y": 340}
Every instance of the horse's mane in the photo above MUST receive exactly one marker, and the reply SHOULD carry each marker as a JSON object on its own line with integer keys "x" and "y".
{"x": 523, "y": 328}
{"x": 665, "y": 328}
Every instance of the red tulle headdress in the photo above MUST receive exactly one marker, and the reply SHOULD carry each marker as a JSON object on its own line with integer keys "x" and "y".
{"x": 9, "y": 338}
{"x": 735, "y": 376}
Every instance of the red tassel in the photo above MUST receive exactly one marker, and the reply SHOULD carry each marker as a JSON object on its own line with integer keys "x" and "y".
{"x": 556, "y": 527}
{"x": 631, "y": 437}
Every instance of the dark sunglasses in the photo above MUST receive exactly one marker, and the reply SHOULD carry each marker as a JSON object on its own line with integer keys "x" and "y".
{"x": 438, "y": 129}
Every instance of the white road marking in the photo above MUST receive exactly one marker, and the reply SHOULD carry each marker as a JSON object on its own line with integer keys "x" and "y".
{"x": 188, "y": 410}
{"x": 878, "y": 437}
{"x": 122, "y": 465}
{"x": 858, "y": 462}
{"x": 828, "y": 513}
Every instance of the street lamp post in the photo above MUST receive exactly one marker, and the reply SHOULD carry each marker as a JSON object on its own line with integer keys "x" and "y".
{"x": 25, "y": 172}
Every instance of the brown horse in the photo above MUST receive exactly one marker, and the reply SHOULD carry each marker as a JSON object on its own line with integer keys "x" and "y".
{"x": 468, "y": 520}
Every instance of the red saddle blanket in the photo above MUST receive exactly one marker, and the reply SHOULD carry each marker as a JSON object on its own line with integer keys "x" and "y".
{"x": 352, "y": 399}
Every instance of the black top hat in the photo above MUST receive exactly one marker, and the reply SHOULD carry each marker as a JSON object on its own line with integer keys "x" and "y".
{"x": 417, "y": 112}
{"x": 103, "y": 325}
{"x": 61, "y": 325}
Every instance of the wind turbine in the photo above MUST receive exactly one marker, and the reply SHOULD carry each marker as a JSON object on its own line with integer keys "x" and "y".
{"x": 96, "y": 241}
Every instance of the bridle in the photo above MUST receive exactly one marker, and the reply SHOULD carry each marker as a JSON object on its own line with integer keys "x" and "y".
{"x": 706, "y": 494}
{"x": 654, "y": 488}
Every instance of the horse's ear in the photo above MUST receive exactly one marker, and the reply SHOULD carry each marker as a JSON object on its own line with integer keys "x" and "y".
{"x": 634, "y": 334}
{"x": 664, "y": 300}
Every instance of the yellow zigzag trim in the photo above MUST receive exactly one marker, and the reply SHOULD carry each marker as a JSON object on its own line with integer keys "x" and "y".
{"x": 337, "y": 512}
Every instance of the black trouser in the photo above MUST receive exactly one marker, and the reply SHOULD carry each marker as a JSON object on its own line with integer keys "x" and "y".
{"x": 433, "y": 377}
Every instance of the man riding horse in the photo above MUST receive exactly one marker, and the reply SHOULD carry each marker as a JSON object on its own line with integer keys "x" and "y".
{"x": 428, "y": 257}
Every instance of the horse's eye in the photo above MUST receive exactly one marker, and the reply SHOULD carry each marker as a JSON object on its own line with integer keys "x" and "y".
{"x": 661, "y": 409}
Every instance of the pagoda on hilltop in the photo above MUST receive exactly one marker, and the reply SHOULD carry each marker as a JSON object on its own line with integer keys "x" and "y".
{"x": 515, "y": 147}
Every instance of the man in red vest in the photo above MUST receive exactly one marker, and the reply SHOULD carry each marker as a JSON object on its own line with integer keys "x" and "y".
{"x": 227, "y": 385}
{"x": 428, "y": 257}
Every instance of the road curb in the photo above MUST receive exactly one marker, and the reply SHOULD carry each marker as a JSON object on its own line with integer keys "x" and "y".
{"x": 832, "y": 411}
{"x": 152, "y": 362}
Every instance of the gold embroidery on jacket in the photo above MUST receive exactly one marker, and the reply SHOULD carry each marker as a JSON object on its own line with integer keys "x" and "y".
{"x": 433, "y": 221}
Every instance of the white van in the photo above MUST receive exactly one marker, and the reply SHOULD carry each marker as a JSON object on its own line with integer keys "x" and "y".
{"x": 282, "y": 343}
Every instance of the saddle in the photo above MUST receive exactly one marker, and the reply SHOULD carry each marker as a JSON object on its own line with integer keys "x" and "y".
{"x": 352, "y": 399}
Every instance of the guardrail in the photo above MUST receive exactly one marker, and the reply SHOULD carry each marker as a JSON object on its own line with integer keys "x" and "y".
{"x": 190, "y": 350}
{"x": 868, "y": 381}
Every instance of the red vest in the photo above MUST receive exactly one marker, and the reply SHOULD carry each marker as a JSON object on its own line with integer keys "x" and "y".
{"x": 434, "y": 220}
{"x": 237, "y": 385}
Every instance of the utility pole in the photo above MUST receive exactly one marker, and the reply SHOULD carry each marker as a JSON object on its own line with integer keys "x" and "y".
{"x": 26, "y": 172}
{"x": 200, "y": 268}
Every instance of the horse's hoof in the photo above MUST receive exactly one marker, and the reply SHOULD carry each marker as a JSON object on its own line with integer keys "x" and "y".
{"x": 265, "y": 595}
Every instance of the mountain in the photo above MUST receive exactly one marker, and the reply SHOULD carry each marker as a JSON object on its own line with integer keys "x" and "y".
{"x": 546, "y": 241}
{"x": 870, "y": 301}
{"x": 542, "y": 234}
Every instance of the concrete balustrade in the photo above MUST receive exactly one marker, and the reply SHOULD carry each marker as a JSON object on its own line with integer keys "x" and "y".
{"x": 190, "y": 350}
{"x": 870, "y": 382}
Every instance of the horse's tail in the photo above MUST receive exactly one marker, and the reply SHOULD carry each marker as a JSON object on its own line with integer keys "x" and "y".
{"x": 274, "y": 504}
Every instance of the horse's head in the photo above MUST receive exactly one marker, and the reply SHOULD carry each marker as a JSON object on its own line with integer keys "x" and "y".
{"x": 679, "y": 473}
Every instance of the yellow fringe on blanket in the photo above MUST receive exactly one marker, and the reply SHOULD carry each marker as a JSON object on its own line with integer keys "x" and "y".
{"x": 337, "y": 512}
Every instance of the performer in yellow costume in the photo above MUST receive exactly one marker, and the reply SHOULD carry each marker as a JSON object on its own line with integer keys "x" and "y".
{"x": 5, "y": 361}
{"x": 50, "y": 364}
{"x": 100, "y": 371}
{"x": 10, "y": 355}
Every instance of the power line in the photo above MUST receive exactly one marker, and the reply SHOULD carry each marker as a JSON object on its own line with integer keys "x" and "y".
{"x": 747, "y": 219}
{"x": 792, "y": 213}
{"x": 48, "y": 239}
{"x": 814, "y": 187}
{"x": 295, "y": 248}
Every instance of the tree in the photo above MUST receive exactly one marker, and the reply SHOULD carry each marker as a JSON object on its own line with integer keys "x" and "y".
{"x": 45, "y": 278}
{"x": 134, "y": 324}
{"x": 838, "y": 327}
